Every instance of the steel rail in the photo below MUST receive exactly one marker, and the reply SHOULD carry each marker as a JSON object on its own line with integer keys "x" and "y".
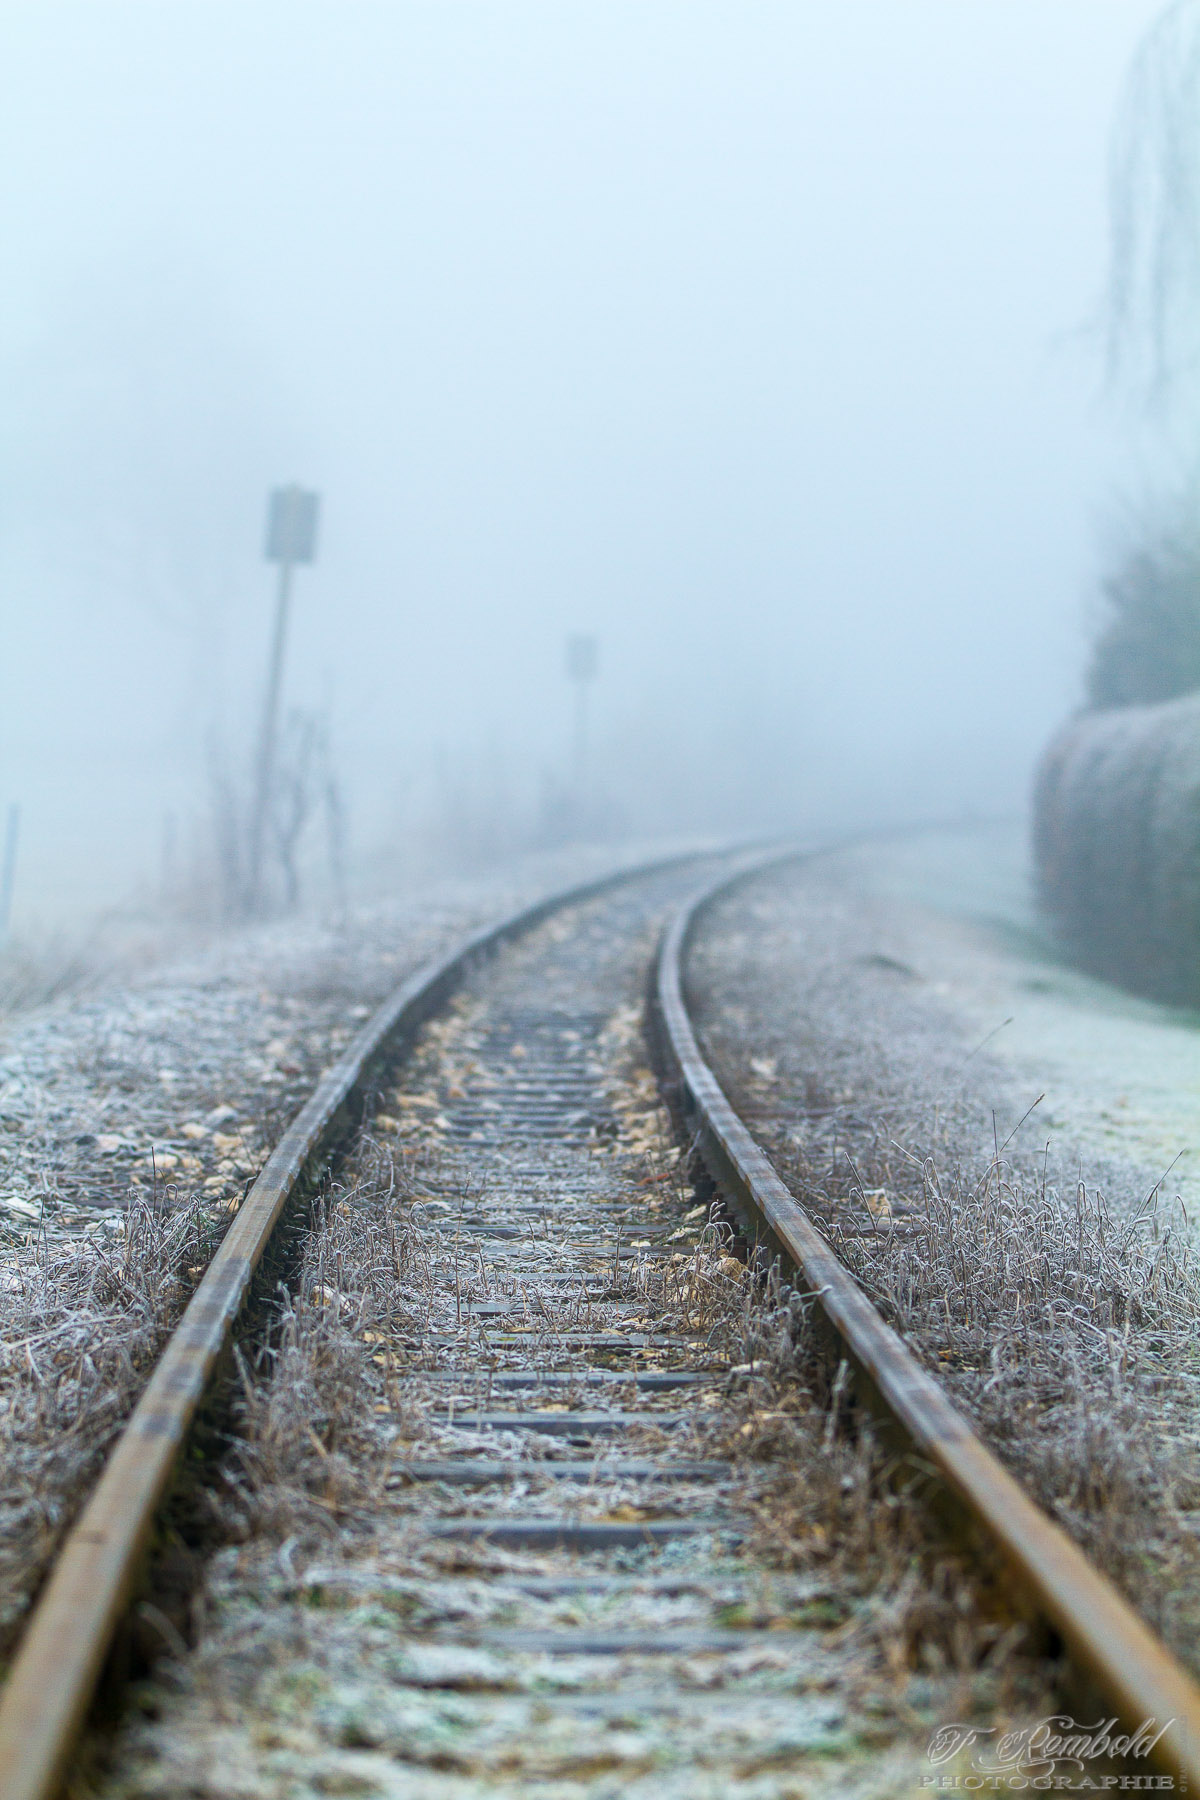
{"x": 1105, "y": 1639}
{"x": 53, "y": 1676}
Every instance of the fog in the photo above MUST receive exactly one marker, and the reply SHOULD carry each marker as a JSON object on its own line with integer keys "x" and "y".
{"x": 758, "y": 340}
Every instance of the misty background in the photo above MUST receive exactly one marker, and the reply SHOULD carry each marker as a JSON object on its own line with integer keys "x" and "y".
{"x": 760, "y": 340}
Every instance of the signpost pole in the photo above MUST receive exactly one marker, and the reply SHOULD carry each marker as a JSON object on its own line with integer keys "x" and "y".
{"x": 582, "y": 661}
{"x": 581, "y": 736}
{"x": 291, "y": 539}
{"x": 266, "y": 742}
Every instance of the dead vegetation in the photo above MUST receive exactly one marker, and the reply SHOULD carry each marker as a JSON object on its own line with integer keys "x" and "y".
{"x": 822, "y": 1490}
{"x": 384, "y": 1265}
{"x": 838, "y": 1547}
{"x": 308, "y": 1474}
{"x": 82, "y": 1323}
{"x": 1064, "y": 1325}
{"x": 1070, "y": 1337}
{"x": 829, "y": 1499}
{"x": 34, "y": 974}
{"x": 305, "y": 1458}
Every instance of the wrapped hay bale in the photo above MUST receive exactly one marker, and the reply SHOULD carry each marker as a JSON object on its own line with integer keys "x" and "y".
{"x": 1117, "y": 845}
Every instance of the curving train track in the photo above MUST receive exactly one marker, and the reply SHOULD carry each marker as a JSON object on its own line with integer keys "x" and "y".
{"x": 559, "y": 1386}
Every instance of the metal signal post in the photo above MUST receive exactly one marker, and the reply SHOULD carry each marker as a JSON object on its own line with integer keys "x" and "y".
{"x": 583, "y": 658}
{"x": 291, "y": 539}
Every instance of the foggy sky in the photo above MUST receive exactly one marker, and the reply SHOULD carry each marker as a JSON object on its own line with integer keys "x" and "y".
{"x": 753, "y": 337}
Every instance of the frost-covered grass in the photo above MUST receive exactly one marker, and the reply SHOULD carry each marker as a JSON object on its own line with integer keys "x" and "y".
{"x": 1069, "y": 1336}
{"x": 37, "y": 975}
{"x": 1062, "y": 1313}
{"x": 82, "y": 1321}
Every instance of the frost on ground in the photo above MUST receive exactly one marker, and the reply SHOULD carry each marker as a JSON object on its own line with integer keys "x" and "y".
{"x": 951, "y": 914}
{"x": 179, "y": 1076}
{"x": 886, "y": 1018}
{"x": 346, "y": 1643}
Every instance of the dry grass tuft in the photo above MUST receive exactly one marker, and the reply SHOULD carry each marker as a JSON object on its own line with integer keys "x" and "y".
{"x": 1068, "y": 1336}
{"x": 828, "y": 1499}
{"x": 83, "y": 1321}
{"x": 38, "y": 974}
{"x": 305, "y": 1458}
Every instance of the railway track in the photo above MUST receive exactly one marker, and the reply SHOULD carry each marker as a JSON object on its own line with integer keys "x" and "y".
{"x": 565, "y": 1540}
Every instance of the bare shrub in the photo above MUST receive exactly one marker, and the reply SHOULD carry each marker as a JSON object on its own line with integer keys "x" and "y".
{"x": 38, "y": 973}
{"x": 305, "y": 782}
